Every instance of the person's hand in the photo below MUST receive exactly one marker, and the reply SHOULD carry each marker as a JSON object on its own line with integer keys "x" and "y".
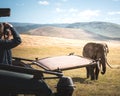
{"x": 7, "y": 30}
{"x": 7, "y": 25}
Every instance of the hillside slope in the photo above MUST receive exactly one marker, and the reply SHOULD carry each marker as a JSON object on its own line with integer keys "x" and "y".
{"x": 61, "y": 32}
{"x": 70, "y": 33}
{"x": 102, "y": 28}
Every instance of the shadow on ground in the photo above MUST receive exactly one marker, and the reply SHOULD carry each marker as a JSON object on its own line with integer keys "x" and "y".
{"x": 82, "y": 80}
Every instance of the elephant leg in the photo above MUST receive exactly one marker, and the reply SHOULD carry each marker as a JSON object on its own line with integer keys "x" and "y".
{"x": 88, "y": 71}
{"x": 92, "y": 73}
{"x": 97, "y": 72}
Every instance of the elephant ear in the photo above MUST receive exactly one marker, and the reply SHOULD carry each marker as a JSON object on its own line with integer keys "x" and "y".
{"x": 106, "y": 49}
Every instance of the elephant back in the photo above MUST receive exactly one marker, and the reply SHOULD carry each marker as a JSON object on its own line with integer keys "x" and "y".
{"x": 93, "y": 50}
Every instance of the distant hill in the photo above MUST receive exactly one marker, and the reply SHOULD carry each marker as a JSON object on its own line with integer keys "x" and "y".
{"x": 94, "y": 30}
{"x": 23, "y": 28}
{"x": 102, "y": 28}
{"x": 61, "y": 32}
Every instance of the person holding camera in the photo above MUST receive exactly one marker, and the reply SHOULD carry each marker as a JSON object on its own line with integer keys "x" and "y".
{"x": 9, "y": 38}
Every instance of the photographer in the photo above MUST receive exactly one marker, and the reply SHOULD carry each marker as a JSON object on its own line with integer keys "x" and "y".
{"x": 9, "y": 39}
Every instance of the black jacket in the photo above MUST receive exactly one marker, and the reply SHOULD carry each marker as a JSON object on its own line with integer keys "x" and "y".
{"x": 7, "y": 45}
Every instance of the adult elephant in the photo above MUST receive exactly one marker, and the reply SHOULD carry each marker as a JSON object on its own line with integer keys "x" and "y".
{"x": 96, "y": 51}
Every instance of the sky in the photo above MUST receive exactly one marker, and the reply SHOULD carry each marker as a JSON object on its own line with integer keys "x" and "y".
{"x": 61, "y": 11}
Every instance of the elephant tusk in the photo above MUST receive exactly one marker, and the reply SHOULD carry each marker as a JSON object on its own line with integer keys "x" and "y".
{"x": 98, "y": 64}
{"x": 109, "y": 65}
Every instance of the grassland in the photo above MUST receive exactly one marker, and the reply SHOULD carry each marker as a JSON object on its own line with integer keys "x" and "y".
{"x": 107, "y": 85}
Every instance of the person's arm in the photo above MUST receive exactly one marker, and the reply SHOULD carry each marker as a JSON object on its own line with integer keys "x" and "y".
{"x": 13, "y": 42}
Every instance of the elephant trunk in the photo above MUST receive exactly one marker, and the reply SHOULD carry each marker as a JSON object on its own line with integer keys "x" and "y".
{"x": 103, "y": 70}
{"x": 103, "y": 62}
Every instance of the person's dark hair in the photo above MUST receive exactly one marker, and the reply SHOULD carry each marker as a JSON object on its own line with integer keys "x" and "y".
{"x": 4, "y": 31}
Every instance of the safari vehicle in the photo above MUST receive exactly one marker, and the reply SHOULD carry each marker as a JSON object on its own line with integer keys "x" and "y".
{"x": 17, "y": 81}
{"x": 21, "y": 78}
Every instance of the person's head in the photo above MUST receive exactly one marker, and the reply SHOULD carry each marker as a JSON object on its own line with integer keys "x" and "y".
{"x": 4, "y": 31}
{"x": 1, "y": 28}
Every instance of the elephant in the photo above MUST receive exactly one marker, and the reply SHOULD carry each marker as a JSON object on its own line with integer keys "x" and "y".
{"x": 96, "y": 51}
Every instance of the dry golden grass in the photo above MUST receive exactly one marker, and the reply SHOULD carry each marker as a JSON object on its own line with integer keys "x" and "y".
{"x": 107, "y": 85}
{"x": 41, "y": 46}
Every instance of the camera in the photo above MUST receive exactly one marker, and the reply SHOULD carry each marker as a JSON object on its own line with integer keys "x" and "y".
{"x": 6, "y": 30}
